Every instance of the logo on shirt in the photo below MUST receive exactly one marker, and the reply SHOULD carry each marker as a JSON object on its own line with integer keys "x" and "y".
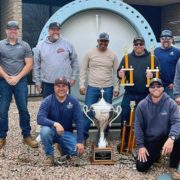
{"x": 60, "y": 50}
{"x": 171, "y": 53}
{"x": 163, "y": 112}
{"x": 70, "y": 105}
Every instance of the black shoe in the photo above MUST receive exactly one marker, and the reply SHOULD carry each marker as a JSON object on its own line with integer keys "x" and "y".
{"x": 63, "y": 160}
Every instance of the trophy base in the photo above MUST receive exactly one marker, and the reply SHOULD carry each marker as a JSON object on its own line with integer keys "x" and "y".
{"x": 102, "y": 156}
{"x": 127, "y": 84}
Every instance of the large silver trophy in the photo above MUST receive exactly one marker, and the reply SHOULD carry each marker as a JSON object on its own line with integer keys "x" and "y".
{"x": 102, "y": 114}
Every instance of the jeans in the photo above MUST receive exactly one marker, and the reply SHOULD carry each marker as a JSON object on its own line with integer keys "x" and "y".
{"x": 20, "y": 92}
{"x": 48, "y": 89}
{"x": 67, "y": 141}
{"x": 93, "y": 94}
{"x": 154, "y": 149}
{"x": 125, "y": 105}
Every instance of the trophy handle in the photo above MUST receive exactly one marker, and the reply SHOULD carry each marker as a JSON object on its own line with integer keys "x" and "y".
{"x": 86, "y": 110}
{"x": 118, "y": 111}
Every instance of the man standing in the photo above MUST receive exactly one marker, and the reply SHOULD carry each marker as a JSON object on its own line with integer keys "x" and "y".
{"x": 15, "y": 62}
{"x": 56, "y": 116}
{"x": 157, "y": 129}
{"x": 176, "y": 91}
{"x": 54, "y": 57}
{"x": 167, "y": 56}
{"x": 100, "y": 64}
{"x": 139, "y": 59}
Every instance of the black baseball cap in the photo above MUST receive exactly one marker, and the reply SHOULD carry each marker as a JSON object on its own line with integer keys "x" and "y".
{"x": 103, "y": 36}
{"x": 138, "y": 38}
{"x": 54, "y": 25}
{"x": 155, "y": 80}
{"x": 12, "y": 24}
{"x": 61, "y": 80}
{"x": 166, "y": 33}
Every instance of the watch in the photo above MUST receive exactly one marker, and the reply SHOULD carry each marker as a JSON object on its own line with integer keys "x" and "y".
{"x": 173, "y": 138}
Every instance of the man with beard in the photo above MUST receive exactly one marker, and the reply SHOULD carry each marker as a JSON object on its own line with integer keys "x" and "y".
{"x": 157, "y": 129}
{"x": 54, "y": 57}
{"x": 15, "y": 63}
{"x": 167, "y": 56}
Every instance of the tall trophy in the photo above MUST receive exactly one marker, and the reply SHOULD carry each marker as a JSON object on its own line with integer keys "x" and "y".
{"x": 102, "y": 114}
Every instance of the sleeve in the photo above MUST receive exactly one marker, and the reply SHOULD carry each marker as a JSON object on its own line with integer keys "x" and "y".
{"x": 175, "y": 120}
{"x": 116, "y": 81}
{"x": 37, "y": 66}
{"x": 42, "y": 117}
{"x": 74, "y": 63}
{"x": 176, "y": 89}
{"x": 83, "y": 71}
{"x": 78, "y": 119}
{"x": 28, "y": 52}
{"x": 138, "y": 127}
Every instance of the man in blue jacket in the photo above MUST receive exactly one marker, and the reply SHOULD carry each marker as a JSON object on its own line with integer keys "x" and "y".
{"x": 157, "y": 128}
{"x": 56, "y": 116}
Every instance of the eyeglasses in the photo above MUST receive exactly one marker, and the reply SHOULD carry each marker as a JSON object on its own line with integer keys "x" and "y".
{"x": 155, "y": 86}
{"x": 103, "y": 40}
{"x": 140, "y": 44}
{"x": 166, "y": 38}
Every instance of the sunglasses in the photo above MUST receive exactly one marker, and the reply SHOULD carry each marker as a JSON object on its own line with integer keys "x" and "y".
{"x": 155, "y": 86}
{"x": 140, "y": 44}
{"x": 166, "y": 38}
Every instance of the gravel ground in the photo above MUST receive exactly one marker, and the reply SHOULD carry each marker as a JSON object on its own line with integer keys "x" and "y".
{"x": 18, "y": 161}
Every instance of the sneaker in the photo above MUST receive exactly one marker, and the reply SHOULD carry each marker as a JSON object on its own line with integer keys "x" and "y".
{"x": 30, "y": 142}
{"x": 2, "y": 142}
{"x": 49, "y": 161}
{"x": 63, "y": 160}
{"x": 174, "y": 173}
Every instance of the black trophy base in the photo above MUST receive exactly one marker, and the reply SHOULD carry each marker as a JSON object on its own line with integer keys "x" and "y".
{"x": 102, "y": 156}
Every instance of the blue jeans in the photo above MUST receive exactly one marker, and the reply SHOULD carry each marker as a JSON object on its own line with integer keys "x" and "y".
{"x": 125, "y": 105}
{"x": 48, "y": 89}
{"x": 93, "y": 94}
{"x": 67, "y": 141}
{"x": 20, "y": 92}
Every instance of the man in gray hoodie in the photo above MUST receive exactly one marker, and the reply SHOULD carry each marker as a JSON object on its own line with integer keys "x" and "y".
{"x": 157, "y": 128}
{"x": 54, "y": 57}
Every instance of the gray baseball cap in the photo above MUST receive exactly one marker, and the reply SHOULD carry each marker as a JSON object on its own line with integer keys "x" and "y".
{"x": 155, "y": 80}
{"x": 103, "y": 36}
{"x": 12, "y": 24}
{"x": 166, "y": 33}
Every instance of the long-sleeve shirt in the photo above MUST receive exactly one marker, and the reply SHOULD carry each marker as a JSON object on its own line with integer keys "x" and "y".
{"x": 155, "y": 121}
{"x": 176, "y": 89}
{"x": 101, "y": 67}
{"x": 53, "y": 60}
{"x": 65, "y": 113}
{"x": 139, "y": 64}
{"x": 168, "y": 59}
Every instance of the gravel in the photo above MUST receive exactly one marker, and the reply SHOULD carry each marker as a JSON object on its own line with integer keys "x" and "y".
{"x": 18, "y": 161}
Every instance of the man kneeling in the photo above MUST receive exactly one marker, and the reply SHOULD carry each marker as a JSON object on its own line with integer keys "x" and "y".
{"x": 56, "y": 116}
{"x": 157, "y": 128}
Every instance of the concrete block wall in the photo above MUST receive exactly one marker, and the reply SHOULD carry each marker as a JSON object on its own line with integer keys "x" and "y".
{"x": 171, "y": 13}
{"x": 10, "y": 10}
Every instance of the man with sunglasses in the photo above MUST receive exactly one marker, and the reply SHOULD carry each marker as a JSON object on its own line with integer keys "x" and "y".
{"x": 167, "y": 56}
{"x": 139, "y": 59}
{"x": 100, "y": 64}
{"x": 157, "y": 129}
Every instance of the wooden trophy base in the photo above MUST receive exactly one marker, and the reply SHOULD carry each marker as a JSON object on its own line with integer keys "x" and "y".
{"x": 101, "y": 156}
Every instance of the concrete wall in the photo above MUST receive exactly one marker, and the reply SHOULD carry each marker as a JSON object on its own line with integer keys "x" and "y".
{"x": 10, "y": 10}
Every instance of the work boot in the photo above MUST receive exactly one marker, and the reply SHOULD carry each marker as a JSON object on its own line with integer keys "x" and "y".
{"x": 2, "y": 142}
{"x": 49, "y": 161}
{"x": 30, "y": 142}
{"x": 174, "y": 173}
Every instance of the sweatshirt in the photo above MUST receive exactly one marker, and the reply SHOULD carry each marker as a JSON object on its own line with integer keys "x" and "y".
{"x": 176, "y": 88}
{"x": 65, "y": 113}
{"x": 53, "y": 60}
{"x": 154, "y": 121}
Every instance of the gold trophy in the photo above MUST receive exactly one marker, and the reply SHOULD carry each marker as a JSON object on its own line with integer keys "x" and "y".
{"x": 125, "y": 82}
{"x": 101, "y": 114}
{"x": 152, "y": 69}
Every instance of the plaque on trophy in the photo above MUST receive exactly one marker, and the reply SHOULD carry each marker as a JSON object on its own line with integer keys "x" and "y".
{"x": 102, "y": 114}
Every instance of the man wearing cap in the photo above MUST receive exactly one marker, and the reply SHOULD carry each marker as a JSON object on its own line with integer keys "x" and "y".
{"x": 56, "y": 116}
{"x": 139, "y": 59}
{"x": 15, "y": 63}
{"x": 100, "y": 65}
{"x": 167, "y": 56}
{"x": 54, "y": 57}
{"x": 157, "y": 128}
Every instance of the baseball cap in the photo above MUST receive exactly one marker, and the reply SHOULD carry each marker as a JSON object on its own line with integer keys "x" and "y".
{"x": 166, "y": 33}
{"x": 61, "y": 80}
{"x": 12, "y": 24}
{"x": 54, "y": 25}
{"x": 103, "y": 36}
{"x": 138, "y": 38}
{"x": 155, "y": 80}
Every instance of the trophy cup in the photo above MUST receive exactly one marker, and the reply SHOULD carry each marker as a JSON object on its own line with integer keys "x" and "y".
{"x": 101, "y": 114}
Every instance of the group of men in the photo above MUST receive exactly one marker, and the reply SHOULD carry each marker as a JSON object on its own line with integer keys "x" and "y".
{"x": 56, "y": 69}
